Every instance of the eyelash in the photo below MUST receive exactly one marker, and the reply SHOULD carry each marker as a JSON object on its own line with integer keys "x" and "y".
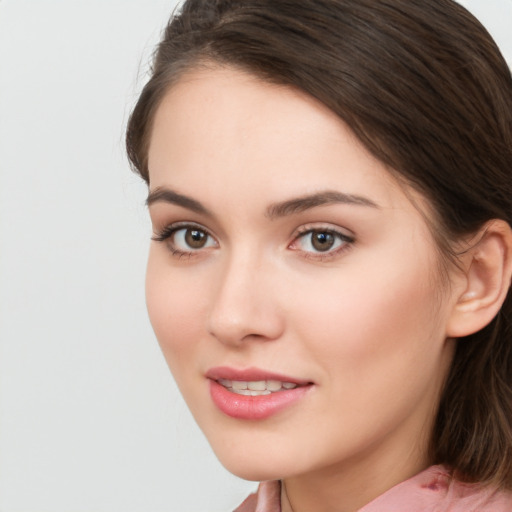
{"x": 345, "y": 241}
{"x": 166, "y": 234}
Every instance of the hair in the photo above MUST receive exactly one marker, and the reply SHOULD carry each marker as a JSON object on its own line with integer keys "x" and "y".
{"x": 424, "y": 87}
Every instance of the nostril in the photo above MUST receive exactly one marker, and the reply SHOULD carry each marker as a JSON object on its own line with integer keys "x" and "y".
{"x": 235, "y": 329}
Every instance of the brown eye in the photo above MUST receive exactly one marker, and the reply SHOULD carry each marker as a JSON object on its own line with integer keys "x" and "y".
{"x": 322, "y": 240}
{"x": 318, "y": 241}
{"x": 186, "y": 239}
{"x": 195, "y": 238}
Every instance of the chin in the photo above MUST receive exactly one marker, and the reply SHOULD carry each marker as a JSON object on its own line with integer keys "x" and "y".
{"x": 257, "y": 463}
{"x": 251, "y": 470}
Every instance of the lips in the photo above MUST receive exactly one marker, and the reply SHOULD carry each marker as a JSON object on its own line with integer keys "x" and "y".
{"x": 254, "y": 394}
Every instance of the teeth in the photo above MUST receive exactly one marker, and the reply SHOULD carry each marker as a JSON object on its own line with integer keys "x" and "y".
{"x": 255, "y": 388}
{"x": 273, "y": 385}
{"x": 259, "y": 385}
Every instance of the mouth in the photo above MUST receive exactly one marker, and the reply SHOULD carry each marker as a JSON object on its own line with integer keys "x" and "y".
{"x": 254, "y": 394}
{"x": 256, "y": 387}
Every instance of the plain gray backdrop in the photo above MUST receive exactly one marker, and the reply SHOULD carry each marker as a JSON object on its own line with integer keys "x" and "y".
{"x": 90, "y": 418}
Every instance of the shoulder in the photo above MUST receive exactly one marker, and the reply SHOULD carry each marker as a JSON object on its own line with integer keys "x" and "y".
{"x": 435, "y": 490}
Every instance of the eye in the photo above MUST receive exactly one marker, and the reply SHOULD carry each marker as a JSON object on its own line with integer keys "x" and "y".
{"x": 191, "y": 238}
{"x": 185, "y": 239}
{"x": 321, "y": 241}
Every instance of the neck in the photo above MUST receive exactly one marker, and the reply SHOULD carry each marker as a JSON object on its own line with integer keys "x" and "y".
{"x": 348, "y": 487}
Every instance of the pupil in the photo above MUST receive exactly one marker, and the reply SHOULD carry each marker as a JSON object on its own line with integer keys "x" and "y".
{"x": 323, "y": 241}
{"x": 195, "y": 238}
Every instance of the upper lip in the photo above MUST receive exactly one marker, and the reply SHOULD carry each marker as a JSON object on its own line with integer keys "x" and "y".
{"x": 251, "y": 375}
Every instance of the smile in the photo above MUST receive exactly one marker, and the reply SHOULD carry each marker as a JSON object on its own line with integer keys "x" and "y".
{"x": 256, "y": 387}
{"x": 254, "y": 394}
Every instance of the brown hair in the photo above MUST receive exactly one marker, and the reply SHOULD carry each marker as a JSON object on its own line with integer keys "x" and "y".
{"x": 424, "y": 87}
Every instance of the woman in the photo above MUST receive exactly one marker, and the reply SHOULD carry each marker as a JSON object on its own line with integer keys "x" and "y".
{"x": 330, "y": 188}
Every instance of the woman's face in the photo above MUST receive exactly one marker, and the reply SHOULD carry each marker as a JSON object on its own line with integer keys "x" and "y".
{"x": 288, "y": 264}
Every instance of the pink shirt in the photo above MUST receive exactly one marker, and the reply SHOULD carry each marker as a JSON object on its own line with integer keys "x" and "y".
{"x": 433, "y": 490}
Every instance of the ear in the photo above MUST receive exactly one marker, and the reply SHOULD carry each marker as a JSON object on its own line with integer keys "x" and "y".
{"x": 485, "y": 281}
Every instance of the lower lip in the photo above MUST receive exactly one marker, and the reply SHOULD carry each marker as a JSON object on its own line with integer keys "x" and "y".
{"x": 254, "y": 407}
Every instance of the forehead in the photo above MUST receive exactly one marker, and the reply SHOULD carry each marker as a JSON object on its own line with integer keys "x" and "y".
{"x": 222, "y": 130}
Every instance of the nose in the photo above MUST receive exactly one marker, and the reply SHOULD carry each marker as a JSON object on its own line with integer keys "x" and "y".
{"x": 244, "y": 305}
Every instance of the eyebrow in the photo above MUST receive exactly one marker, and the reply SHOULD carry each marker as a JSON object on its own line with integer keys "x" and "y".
{"x": 282, "y": 209}
{"x": 166, "y": 195}
{"x": 301, "y": 204}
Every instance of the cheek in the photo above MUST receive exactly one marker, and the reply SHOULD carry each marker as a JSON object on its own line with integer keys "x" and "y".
{"x": 377, "y": 344}
{"x": 371, "y": 319}
{"x": 174, "y": 309}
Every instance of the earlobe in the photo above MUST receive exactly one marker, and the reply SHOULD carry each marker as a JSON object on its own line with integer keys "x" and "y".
{"x": 488, "y": 271}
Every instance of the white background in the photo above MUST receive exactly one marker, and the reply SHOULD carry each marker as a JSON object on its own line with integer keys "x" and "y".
{"x": 90, "y": 419}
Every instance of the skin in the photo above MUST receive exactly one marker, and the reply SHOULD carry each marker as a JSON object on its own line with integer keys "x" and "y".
{"x": 365, "y": 322}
